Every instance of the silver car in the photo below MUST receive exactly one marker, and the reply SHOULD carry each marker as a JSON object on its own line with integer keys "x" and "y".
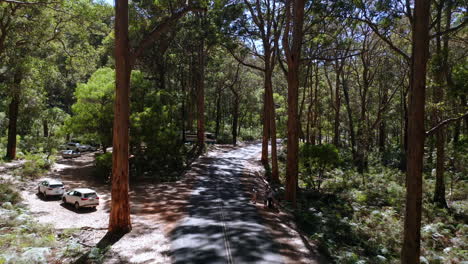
{"x": 81, "y": 197}
{"x": 73, "y": 146}
{"x": 69, "y": 154}
{"x": 50, "y": 188}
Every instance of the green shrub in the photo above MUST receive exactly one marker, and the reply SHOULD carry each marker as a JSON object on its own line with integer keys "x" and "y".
{"x": 317, "y": 159}
{"x": 35, "y": 166}
{"x": 103, "y": 166}
{"x": 8, "y": 194}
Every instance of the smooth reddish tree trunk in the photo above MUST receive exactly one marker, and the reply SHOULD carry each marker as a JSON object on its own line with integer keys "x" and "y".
{"x": 119, "y": 221}
{"x": 416, "y": 134}
{"x": 265, "y": 15}
{"x": 292, "y": 47}
{"x": 270, "y": 104}
{"x": 265, "y": 134}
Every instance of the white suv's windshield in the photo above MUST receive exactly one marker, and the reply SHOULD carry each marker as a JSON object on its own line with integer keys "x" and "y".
{"x": 56, "y": 186}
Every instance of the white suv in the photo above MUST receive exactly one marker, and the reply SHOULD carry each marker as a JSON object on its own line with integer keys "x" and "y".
{"x": 50, "y": 188}
{"x": 81, "y": 197}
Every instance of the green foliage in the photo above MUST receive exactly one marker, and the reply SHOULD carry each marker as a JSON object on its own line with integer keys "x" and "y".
{"x": 35, "y": 166}
{"x": 360, "y": 218}
{"x": 103, "y": 166}
{"x": 155, "y": 133}
{"x": 93, "y": 111}
{"x": 317, "y": 159}
{"x": 460, "y": 79}
{"x": 8, "y": 193}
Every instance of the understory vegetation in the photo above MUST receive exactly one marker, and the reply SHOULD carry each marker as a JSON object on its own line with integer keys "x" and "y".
{"x": 24, "y": 240}
{"x": 358, "y": 218}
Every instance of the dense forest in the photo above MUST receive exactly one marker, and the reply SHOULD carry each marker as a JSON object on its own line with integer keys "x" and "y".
{"x": 360, "y": 108}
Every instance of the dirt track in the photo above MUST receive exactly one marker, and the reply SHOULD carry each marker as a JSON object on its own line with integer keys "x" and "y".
{"x": 145, "y": 244}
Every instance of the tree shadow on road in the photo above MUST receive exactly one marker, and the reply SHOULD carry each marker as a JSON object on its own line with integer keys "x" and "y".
{"x": 221, "y": 223}
{"x": 293, "y": 244}
{"x": 101, "y": 248}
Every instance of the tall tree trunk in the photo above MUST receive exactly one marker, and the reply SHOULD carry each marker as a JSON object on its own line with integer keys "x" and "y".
{"x": 13, "y": 111}
{"x": 442, "y": 51}
{"x": 307, "y": 77}
{"x": 315, "y": 120}
{"x": 272, "y": 122}
{"x": 416, "y": 133}
{"x": 184, "y": 98}
{"x": 191, "y": 98}
{"x": 336, "y": 125}
{"x": 382, "y": 125}
{"x": 45, "y": 128}
{"x": 309, "y": 109}
{"x": 235, "y": 120}
{"x": 458, "y": 125}
{"x": 266, "y": 129}
{"x": 119, "y": 220}
{"x": 350, "y": 118}
{"x": 200, "y": 79}
{"x": 218, "y": 111}
{"x": 382, "y": 136}
{"x": 294, "y": 22}
{"x": 405, "y": 127}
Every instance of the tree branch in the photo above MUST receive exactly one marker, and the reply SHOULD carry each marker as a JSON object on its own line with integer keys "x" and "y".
{"x": 15, "y": 2}
{"x": 392, "y": 46}
{"x": 443, "y": 123}
{"x": 159, "y": 30}
{"x": 241, "y": 61}
{"x": 461, "y": 25}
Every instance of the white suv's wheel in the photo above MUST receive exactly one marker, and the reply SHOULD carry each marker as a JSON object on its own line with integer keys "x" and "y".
{"x": 77, "y": 205}
{"x": 64, "y": 200}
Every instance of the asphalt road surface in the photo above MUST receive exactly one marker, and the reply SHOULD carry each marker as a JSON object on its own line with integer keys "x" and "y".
{"x": 222, "y": 226}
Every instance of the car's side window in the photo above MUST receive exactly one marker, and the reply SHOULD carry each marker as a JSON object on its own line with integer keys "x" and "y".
{"x": 77, "y": 194}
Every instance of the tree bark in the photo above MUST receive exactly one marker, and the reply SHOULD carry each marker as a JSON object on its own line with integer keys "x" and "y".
{"x": 441, "y": 82}
{"x": 416, "y": 133}
{"x": 266, "y": 129}
{"x": 184, "y": 98}
{"x": 200, "y": 87}
{"x": 336, "y": 125}
{"x": 294, "y": 27}
{"x": 272, "y": 122}
{"x": 119, "y": 219}
{"x": 45, "y": 128}
{"x": 350, "y": 118}
{"x": 382, "y": 125}
{"x": 13, "y": 111}
{"x": 235, "y": 120}
{"x": 218, "y": 111}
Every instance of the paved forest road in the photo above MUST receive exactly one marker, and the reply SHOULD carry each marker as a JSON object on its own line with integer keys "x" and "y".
{"x": 222, "y": 226}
